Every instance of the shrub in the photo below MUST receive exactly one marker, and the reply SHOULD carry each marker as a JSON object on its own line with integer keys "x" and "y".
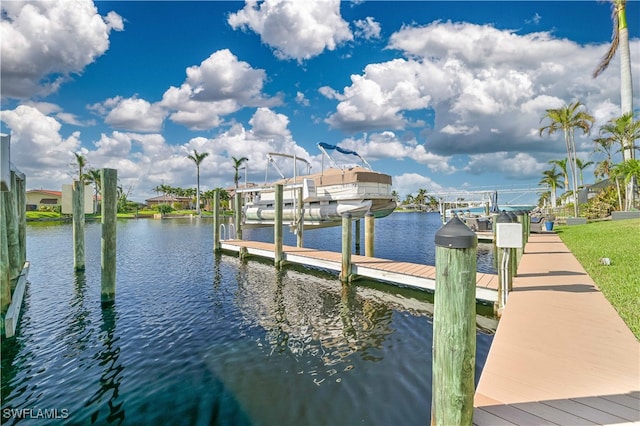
{"x": 602, "y": 204}
{"x": 164, "y": 208}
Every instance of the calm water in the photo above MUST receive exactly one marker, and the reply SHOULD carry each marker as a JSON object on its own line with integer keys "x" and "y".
{"x": 198, "y": 339}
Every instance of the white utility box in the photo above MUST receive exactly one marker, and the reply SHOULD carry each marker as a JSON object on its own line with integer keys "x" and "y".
{"x": 67, "y": 199}
{"x": 509, "y": 235}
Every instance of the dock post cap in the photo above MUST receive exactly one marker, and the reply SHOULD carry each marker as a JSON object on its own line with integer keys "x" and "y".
{"x": 503, "y": 217}
{"x": 455, "y": 234}
{"x": 347, "y": 215}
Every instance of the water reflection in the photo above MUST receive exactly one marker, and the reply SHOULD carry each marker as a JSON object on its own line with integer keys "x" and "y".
{"x": 201, "y": 339}
{"x": 107, "y": 397}
{"x": 320, "y": 323}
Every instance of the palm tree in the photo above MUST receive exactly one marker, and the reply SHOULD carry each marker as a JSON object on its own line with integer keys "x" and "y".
{"x": 581, "y": 166}
{"x": 567, "y": 119}
{"x": 562, "y": 164}
{"x": 627, "y": 170}
{"x": 81, "y": 162}
{"x": 604, "y": 145}
{"x": 395, "y": 196}
{"x": 93, "y": 177}
{"x": 421, "y": 198}
{"x": 408, "y": 199}
{"x": 237, "y": 163}
{"x": 552, "y": 180}
{"x": 197, "y": 158}
{"x": 624, "y": 131}
{"x": 620, "y": 39}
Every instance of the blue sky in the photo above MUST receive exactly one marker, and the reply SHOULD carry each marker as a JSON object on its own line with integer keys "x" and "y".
{"x": 441, "y": 95}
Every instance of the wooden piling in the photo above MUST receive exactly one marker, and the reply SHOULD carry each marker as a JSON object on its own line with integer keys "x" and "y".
{"x": 357, "y": 236}
{"x": 237, "y": 214}
{"x": 369, "y": 234}
{"x": 300, "y": 219}
{"x": 109, "y": 179}
{"x": 13, "y": 233}
{"x": 216, "y": 221}
{"x": 5, "y": 274}
{"x": 345, "y": 274}
{"x": 519, "y": 251}
{"x": 498, "y": 255}
{"x": 21, "y": 194}
{"x": 77, "y": 199}
{"x": 454, "y": 325}
{"x": 277, "y": 227}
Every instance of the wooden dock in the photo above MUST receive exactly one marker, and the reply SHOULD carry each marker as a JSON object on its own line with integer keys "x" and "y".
{"x": 561, "y": 353}
{"x": 399, "y": 273}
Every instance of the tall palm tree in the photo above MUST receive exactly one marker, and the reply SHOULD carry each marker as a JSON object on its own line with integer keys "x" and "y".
{"x": 568, "y": 118}
{"x": 620, "y": 41}
{"x": 197, "y": 158}
{"x": 551, "y": 178}
{"x": 581, "y": 166}
{"x": 603, "y": 145}
{"x": 81, "y": 162}
{"x": 562, "y": 164}
{"x": 625, "y": 131}
{"x": 237, "y": 163}
{"x": 421, "y": 198}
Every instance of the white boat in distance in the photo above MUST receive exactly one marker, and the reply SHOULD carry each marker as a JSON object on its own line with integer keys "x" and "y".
{"x": 320, "y": 199}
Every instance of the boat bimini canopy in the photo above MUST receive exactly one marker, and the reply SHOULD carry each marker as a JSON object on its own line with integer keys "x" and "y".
{"x": 325, "y": 146}
{"x": 295, "y": 160}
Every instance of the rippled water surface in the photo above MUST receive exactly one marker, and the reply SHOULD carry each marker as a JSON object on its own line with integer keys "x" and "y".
{"x": 199, "y": 339}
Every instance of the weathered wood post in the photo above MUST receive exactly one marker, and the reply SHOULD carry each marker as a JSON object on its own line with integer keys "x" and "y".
{"x": 509, "y": 238}
{"x": 5, "y": 274}
{"x": 277, "y": 227}
{"x": 369, "y": 234}
{"x": 357, "y": 236}
{"x": 21, "y": 188}
{"x": 109, "y": 180}
{"x": 216, "y": 221}
{"x": 12, "y": 229}
{"x": 237, "y": 214}
{"x": 300, "y": 221}
{"x": 519, "y": 250}
{"x": 513, "y": 254}
{"x": 498, "y": 255}
{"x": 454, "y": 325}
{"x": 345, "y": 274}
{"x": 77, "y": 201}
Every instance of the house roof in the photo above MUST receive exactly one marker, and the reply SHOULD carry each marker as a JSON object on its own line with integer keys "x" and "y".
{"x": 166, "y": 198}
{"x": 45, "y": 191}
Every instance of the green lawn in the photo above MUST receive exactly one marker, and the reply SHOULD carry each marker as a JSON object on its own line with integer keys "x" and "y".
{"x": 620, "y": 282}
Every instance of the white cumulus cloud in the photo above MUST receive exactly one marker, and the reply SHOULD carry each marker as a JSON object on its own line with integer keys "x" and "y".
{"x": 44, "y": 43}
{"x": 294, "y": 29}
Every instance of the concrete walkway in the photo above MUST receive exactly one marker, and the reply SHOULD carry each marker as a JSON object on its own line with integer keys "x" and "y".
{"x": 561, "y": 353}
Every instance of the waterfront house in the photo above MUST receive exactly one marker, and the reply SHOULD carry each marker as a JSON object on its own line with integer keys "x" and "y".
{"x": 173, "y": 200}
{"x": 37, "y": 198}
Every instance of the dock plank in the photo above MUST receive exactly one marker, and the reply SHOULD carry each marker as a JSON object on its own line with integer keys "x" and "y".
{"x": 560, "y": 348}
{"x": 400, "y": 273}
